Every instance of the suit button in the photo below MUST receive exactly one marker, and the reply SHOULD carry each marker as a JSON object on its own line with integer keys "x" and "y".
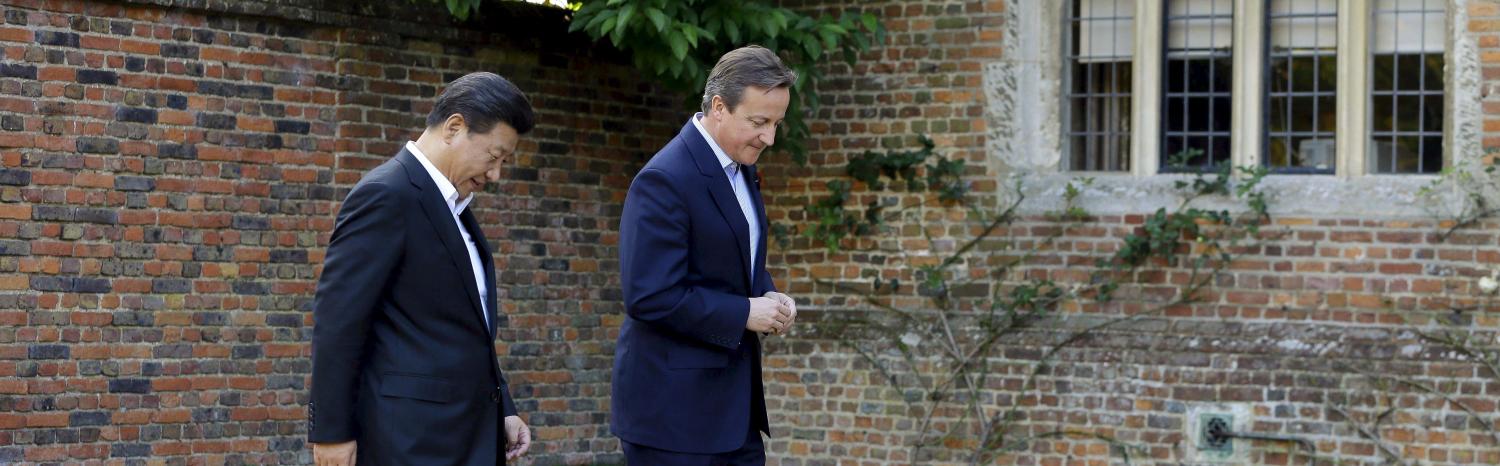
{"x": 495, "y": 395}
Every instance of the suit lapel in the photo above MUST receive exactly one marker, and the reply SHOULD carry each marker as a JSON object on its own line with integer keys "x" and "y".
{"x": 441, "y": 219}
{"x": 487, "y": 260}
{"x": 722, "y": 193}
{"x": 752, "y": 180}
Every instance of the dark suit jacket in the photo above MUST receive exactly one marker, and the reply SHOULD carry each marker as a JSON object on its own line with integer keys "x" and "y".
{"x": 402, "y": 359}
{"x": 687, "y": 373}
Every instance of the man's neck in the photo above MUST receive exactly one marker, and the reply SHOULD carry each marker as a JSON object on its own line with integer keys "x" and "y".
{"x": 436, "y": 152}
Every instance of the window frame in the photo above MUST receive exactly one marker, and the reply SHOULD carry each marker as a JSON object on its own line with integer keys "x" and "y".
{"x": 1353, "y": 126}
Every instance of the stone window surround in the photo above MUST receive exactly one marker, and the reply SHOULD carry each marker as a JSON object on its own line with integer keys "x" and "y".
{"x": 1025, "y": 95}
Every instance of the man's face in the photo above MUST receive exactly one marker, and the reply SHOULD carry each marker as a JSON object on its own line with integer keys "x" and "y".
{"x": 479, "y": 156}
{"x": 751, "y": 127}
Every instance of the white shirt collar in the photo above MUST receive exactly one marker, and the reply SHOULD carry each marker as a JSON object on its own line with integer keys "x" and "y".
{"x": 724, "y": 160}
{"x": 445, "y": 187}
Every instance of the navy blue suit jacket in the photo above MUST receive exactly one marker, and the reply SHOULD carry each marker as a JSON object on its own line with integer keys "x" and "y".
{"x": 402, "y": 359}
{"x": 687, "y": 372}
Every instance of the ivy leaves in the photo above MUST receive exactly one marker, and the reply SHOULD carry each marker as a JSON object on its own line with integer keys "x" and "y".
{"x": 832, "y": 222}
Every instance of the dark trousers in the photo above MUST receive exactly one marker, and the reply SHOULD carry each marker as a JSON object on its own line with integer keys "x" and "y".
{"x": 753, "y": 453}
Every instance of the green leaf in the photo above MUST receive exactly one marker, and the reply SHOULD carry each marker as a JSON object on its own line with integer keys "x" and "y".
{"x": 609, "y": 25}
{"x": 773, "y": 27}
{"x": 871, "y": 24}
{"x": 658, "y": 18}
{"x": 580, "y": 21}
{"x": 830, "y": 40}
{"x": 679, "y": 48}
{"x": 813, "y": 48}
{"x": 596, "y": 22}
{"x": 691, "y": 33}
{"x": 626, "y": 12}
{"x": 732, "y": 28}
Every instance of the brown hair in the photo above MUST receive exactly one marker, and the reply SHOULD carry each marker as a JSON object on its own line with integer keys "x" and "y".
{"x": 743, "y": 67}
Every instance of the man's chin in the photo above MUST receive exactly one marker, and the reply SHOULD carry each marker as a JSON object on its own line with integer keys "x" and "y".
{"x": 750, "y": 159}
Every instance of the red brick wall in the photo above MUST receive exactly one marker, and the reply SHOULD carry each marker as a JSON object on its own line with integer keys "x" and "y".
{"x": 1285, "y": 331}
{"x": 168, "y": 179}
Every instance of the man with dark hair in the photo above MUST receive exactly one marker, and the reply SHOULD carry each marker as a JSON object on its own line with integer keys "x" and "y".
{"x": 404, "y": 367}
{"x": 687, "y": 379}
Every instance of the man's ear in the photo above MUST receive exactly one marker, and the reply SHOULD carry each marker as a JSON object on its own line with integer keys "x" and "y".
{"x": 718, "y": 108}
{"x": 453, "y": 126}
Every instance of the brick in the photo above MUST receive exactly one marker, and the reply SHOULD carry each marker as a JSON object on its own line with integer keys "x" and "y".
{"x": 56, "y": 38}
{"x": 86, "y": 76}
{"x": 130, "y": 386}
{"x": 292, "y": 126}
{"x": 96, "y": 145}
{"x": 14, "y": 177}
{"x": 47, "y": 352}
{"x": 215, "y": 121}
{"x": 135, "y": 183}
{"x": 17, "y": 70}
{"x": 135, "y": 115}
{"x": 171, "y": 150}
{"x": 179, "y": 51}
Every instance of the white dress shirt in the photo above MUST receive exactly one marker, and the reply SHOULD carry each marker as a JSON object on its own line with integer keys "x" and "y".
{"x": 741, "y": 190}
{"x": 455, "y": 206}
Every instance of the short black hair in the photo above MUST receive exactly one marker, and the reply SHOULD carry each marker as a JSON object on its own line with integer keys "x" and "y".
{"x": 741, "y": 68}
{"x": 484, "y": 99}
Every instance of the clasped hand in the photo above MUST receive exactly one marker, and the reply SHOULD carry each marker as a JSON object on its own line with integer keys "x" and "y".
{"x": 772, "y": 314}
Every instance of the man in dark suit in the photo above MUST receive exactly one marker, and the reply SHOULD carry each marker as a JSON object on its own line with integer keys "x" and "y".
{"x": 404, "y": 367}
{"x": 687, "y": 378}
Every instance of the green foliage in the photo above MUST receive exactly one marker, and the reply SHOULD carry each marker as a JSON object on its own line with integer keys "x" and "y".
{"x": 677, "y": 42}
{"x": 1477, "y": 186}
{"x": 832, "y": 221}
{"x": 1071, "y": 193}
{"x": 1164, "y": 233}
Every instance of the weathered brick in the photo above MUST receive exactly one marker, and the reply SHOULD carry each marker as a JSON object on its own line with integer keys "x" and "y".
{"x": 129, "y": 450}
{"x": 12, "y": 123}
{"x": 95, "y": 145}
{"x": 14, "y": 177}
{"x": 250, "y": 222}
{"x": 289, "y": 255}
{"x": 88, "y": 76}
{"x": 135, "y": 183}
{"x": 216, "y": 121}
{"x": 293, "y": 126}
{"x": 135, "y": 115}
{"x": 62, "y": 39}
{"x": 48, "y": 352}
{"x": 171, "y": 50}
{"x": 9, "y": 247}
{"x": 17, "y": 70}
{"x": 250, "y": 288}
{"x": 172, "y": 150}
{"x": 171, "y": 285}
{"x": 88, "y": 418}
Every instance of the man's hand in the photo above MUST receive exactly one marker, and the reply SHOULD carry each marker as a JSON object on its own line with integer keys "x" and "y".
{"x": 334, "y": 454}
{"x": 789, "y": 305}
{"x": 767, "y": 315}
{"x": 517, "y": 437}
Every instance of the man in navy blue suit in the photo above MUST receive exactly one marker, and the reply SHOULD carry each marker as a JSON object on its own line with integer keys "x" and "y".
{"x": 403, "y": 349}
{"x": 687, "y": 382}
